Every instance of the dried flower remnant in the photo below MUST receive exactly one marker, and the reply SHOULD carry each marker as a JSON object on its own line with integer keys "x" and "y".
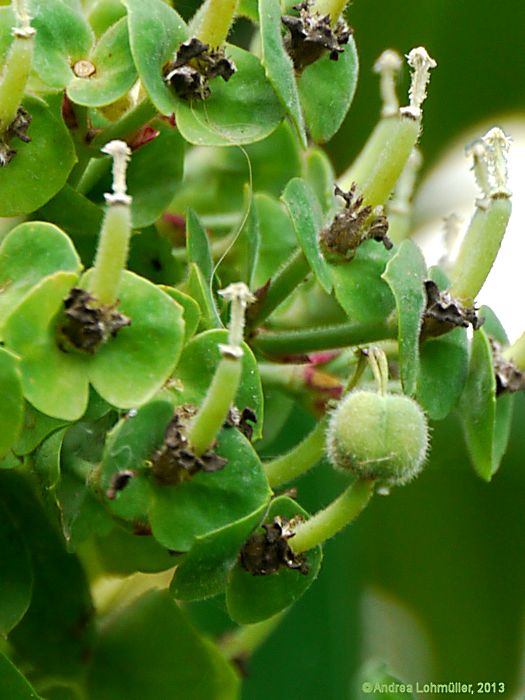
{"x": 267, "y": 552}
{"x": 443, "y": 313}
{"x": 508, "y": 377}
{"x": 174, "y": 462}
{"x": 118, "y": 483}
{"x": 194, "y": 65}
{"x": 353, "y": 225}
{"x": 17, "y": 129}
{"x": 88, "y": 325}
{"x": 311, "y": 36}
{"x": 242, "y": 420}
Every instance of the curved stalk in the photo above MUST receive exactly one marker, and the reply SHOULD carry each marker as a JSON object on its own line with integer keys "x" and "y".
{"x": 340, "y": 513}
{"x": 215, "y": 20}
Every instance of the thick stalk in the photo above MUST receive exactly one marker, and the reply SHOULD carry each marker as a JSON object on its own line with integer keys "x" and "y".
{"x": 326, "y": 523}
{"x": 479, "y": 249}
{"x": 300, "y": 459}
{"x": 281, "y": 286}
{"x": 214, "y": 411}
{"x": 112, "y": 254}
{"x": 383, "y": 158}
{"x": 215, "y": 21}
{"x": 307, "y": 340}
{"x": 16, "y": 72}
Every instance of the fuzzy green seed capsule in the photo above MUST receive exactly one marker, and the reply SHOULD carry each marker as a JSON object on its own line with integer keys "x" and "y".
{"x": 381, "y": 437}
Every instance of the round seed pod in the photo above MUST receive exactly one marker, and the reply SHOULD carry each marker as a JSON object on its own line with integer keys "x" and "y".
{"x": 381, "y": 437}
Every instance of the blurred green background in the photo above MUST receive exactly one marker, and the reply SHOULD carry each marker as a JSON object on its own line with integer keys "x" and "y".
{"x": 438, "y": 565}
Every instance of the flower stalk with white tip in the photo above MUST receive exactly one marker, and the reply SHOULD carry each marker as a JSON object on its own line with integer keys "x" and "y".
{"x": 223, "y": 388}
{"x": 14, "y": 78}
{"x": 487, "y": 227}
{"x": 387, "y": 67}
{"x": 384, "y": 157}
{"x": 113, "y": 245}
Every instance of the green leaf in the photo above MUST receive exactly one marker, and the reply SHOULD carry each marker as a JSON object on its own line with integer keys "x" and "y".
{"x": 190, "y": 310}
{"x": 155, "y": 31}
{"x": 277, "y": 237}
{"x": 486, "y": 422}
{"x": 443, "y": 367}
{"x": 55, "y": 382}
{"x": 78, "y": 217}
{"x": 16, "y": 572}
{"x": 12, "y": 403}
{"x": 30, "y": 252}
{"x": 46, "y": 462}
{"x": 152, "y": 194}
{"x": 319, "y": 174}
{"x": 198, "y": 246}
{"x": 133, "y": 440}
{"x": 326, "y": 89}
{"x": 7, "y": 22}
{"x": 41, "y": 167}
{"x": 241, "y": 111}
{"x": 210, "y": 501}
{"x": 200, "y": 290}
{"x": 115, "y": 71}
{"x": 307, "y": 221}
{"x": 406, "y": 273}
{"x": 62, "y": 38}
{"x": 104, "y": 13}
{"x": 130, "y": 368}
{"x": 153, "y": 637}
{"x": 359, "y": 287}
{"x": 197, "y": 367}
{"x": 278, "y": 64}
{"x": 203, "y": 571}
{"x": 37, "y": 426}
{"x": 13, "y": 684}
{"x": 124, "y": 553}
{"x": 251, "y": 598}
{"x": 56, "y": 634}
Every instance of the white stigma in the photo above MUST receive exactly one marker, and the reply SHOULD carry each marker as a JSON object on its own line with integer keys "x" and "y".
{"x": 121, "y": 154}
{"x": 239, "y": 295}
{"x": 489, "y": 156}
{"x": 388, "y": 66}
{"x": 24, "y": 29}
{"x": 421, "y": 64}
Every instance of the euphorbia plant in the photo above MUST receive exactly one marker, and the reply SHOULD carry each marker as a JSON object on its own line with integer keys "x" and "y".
{"x": 148, "y": 317}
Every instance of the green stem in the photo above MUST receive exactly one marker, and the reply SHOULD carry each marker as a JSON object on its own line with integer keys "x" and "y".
{"x": 326, "y": 523}
{"x": 215, "y": 21}
{"x": 132, "y": 121}
{"x": 214, "y": 410}
{"x": 334, "y": 8}
{"x": 327, "y": 338}
{"x": 281, "y": 286}
{"x": 14, "y": 78}
{"x": 304, "y": 456}
{"x": 241, "y": 644}
{"x": 479, "y": 249}
{"x": 516, "y": 352}
{"x": 112, "y": 253}
{"x": 383, "y": 158}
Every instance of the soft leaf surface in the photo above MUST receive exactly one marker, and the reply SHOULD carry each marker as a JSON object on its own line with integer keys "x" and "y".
{"x": 405, "y": 273}
{"x": 254, "y": 598}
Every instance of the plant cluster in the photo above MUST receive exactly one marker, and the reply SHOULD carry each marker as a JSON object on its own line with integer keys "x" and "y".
{"x": 176, "y": 253}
